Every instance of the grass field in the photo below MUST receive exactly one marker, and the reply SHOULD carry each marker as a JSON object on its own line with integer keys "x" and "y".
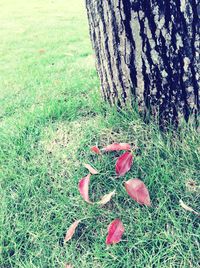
{"x": 51, "y": 113}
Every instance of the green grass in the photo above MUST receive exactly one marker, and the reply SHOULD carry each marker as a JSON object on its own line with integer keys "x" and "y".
{"x": 51, "y": 112}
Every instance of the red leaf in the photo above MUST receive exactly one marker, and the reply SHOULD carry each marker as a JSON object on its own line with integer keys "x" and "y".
{"x": 91, "y": 169}
{"x": 117, "y": 147}
{"x": 115, "y": 232}
{"x": 71, "y": 230}
{"x": 95, "y": 150}
{"x": 124, "y": 163}
{"x": 83, "y": 187}
{"x": 138, "y": 191}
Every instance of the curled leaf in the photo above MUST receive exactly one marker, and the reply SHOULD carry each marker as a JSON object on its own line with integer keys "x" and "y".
{"x": 95, "y": 150}
{"x": 138, "y": 191}
{"x": 124, "y": 163}
{"x": 83, "y": 187}
{"x": 187, "y": 208}
{"x": 106, "y": 198}
{"x": 91, "y": 169}
{"x": 115, "y": 232}
{"x": 117, "y": 147}
{"x": 71, "y": 230}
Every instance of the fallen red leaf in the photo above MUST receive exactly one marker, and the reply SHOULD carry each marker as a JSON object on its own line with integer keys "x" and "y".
{"x": 124, "y": 163}
{"x": 95, "y": 150}
{"x": 71, "y": 230}
{"x": 138, "y": 191}
{"x": 115, "y": 232}
{"x": 83, "y": 187}
{"x": 91, "y": 169}
{"x": 117, "y": 147}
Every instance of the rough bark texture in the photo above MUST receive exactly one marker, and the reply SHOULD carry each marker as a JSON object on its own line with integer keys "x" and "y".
{"x": 148, "y": 51}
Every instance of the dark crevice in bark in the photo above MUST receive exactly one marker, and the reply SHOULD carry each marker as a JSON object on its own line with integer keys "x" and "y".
{"x": 185, "y": 52}
{"x": 147, "y": 9}
{"x": 103, "y": 55}
{"x": 129, "y": 35}
{"x": 118, "y": 60}
{"x": 115, "y": 43}
{"x": 167, "y": 108}
{"x": 144, "y": 69}
{"x": 155, "y": 78}
{"x": 195, "y": 29}
{"x": 108, "y": 55}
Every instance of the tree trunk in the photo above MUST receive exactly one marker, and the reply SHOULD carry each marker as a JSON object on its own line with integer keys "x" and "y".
{"x": 147, "y": 51}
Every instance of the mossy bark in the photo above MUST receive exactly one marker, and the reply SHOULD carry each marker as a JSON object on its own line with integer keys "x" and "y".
{"x": 148, "y": 52}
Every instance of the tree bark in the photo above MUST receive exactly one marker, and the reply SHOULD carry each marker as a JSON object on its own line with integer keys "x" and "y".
{"x": 147, "y": 51}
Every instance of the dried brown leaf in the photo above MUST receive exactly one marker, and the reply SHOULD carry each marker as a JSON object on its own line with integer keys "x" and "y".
{"x": 91, "y": 169}
{"x": 187, "y": 208}
{"x": 106, "y": 198}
